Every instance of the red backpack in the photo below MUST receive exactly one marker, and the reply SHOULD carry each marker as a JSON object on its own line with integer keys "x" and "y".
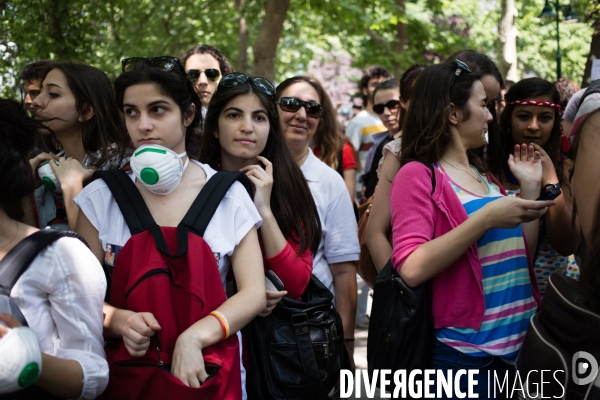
{"x": 172, "y": 273}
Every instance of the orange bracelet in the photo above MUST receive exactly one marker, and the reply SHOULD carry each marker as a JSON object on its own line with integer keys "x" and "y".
{"x": 223, "y": 321}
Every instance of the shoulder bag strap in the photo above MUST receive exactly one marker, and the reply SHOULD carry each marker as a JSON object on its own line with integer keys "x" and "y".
{"x": 307, "y": 354}
{"x": 433, "y": 179}
{"x": 18, "y": 259}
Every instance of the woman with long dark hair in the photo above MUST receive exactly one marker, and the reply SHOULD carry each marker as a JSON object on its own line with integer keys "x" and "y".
{"x": 84, "y": 132}
{"x": 379, "y": 225}
{"x": 462, "y": 233}
{"x": 162, "y": 111}
{"x": 60, "y": 294}
{"x": 242, "y": 133}
{"x": 532, "y": 116}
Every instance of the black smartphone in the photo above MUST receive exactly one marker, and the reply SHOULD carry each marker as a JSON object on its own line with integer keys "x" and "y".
{"x": 549, "y": 194}
{"x": 272, "y": 281}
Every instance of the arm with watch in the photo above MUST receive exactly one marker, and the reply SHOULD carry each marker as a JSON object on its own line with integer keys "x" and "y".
{"x": 561, "y": 233}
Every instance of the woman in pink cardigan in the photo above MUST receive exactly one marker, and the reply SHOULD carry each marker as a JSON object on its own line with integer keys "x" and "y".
{"x": 466, "y": 237}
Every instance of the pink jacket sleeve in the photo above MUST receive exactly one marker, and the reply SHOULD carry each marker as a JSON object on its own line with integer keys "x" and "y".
{"x": 292, "y": 268}
{"x": 412, "y": 210}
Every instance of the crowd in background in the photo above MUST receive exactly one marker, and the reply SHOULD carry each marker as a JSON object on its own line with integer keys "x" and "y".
{"x": 445, "y": 171}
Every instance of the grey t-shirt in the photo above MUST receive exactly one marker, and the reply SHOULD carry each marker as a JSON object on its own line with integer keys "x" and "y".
{"x": 570, "y": 110}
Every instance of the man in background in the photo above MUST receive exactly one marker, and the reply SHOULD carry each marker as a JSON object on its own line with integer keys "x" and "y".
{"x": 363, "y": 129}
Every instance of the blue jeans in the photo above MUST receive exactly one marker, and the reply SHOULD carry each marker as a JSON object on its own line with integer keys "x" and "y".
{"x": 447, "y": 358}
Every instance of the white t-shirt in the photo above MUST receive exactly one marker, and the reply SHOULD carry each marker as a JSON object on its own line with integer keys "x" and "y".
{"x": 339, "y": 242}
{"x": 61, "y": 296}
{"x": 233, "y": 219}
{"x": 360, "y": 131}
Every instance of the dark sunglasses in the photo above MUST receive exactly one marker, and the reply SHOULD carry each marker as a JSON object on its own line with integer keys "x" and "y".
{"x": 162, "y": 63}
{"x": 293, "y": 104}
{"x": 237, "y": 78}
{"x": 390, "y": 105}
{"x": 211, "y": 74}
{"x": 461, "y": 66}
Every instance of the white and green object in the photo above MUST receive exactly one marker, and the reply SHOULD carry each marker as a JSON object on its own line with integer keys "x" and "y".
{"x": 48, "y": 178}
{"x": 20, "y": 360}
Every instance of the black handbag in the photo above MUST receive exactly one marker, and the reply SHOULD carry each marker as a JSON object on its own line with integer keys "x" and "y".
{"x": 567, "y": 324}
{"x": 400, "y": 328}
{"x": 296, "y": 352}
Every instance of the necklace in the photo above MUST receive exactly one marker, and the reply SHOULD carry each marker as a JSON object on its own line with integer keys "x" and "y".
{"x": 477, "y": 178}
{"x": 13, "y": 238}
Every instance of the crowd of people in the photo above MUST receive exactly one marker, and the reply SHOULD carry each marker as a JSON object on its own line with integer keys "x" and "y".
{"x": 128, "y": 166}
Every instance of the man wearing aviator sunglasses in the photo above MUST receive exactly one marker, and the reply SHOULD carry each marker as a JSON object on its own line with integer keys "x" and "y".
{"x": 203, "y": 69}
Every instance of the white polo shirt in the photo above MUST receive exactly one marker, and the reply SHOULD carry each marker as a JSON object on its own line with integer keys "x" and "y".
{"x": 339, "y": 242}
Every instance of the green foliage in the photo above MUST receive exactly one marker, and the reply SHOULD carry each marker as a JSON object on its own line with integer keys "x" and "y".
{"x": 102, "y": 32}
{"x": 536, "y": 45}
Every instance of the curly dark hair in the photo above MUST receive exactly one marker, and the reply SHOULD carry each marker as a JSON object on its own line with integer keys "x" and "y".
{"x": 224, "y": 64}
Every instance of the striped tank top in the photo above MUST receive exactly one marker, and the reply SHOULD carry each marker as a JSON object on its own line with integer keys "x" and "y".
{"x": 509, "y": 301}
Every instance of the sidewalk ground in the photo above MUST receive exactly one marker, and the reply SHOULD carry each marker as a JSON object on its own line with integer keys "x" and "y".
{"x": 360, "y": 358}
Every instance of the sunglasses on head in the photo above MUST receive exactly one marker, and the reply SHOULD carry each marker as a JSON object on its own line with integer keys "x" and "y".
{"x": 293, "y": 104}
{"x": 461, "y": 66}
{"x": 390, "y": 105}
{"x": 237, "y": 78}
{"x": 212, "y": 74}
{"x": 162, "y": 63}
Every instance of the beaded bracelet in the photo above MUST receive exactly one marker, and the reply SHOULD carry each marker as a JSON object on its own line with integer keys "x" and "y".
{"x": 223, "y": 321}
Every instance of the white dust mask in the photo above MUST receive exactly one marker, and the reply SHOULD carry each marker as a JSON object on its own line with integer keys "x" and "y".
{"x": 158, "y": 168}
{"x": 21, "y": 359}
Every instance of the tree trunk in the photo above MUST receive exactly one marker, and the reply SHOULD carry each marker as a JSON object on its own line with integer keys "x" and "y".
{"x": 57, "y": 16}
{"x": 243, "y": 34}
{"x": 594, "y": 55}
{"x": 265, "y": 48}
{"x": 507, "y": 37}
{"x": 400, "y": 38}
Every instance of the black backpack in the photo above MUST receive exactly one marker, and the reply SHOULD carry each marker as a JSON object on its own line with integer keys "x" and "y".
{"x": 12, "y": 266}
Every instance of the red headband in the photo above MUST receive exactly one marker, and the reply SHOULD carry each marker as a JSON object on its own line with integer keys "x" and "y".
{"x": 565, "y": 145}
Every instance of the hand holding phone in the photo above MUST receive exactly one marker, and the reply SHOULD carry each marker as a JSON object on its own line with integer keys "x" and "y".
{"x": 272, "y": 281}
{"x": 550, "y": 192}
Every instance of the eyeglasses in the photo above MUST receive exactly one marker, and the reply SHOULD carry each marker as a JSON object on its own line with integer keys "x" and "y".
{"x": 162, "y": 63}
{"x": 212, "y": 74}
{"x": 293, "y": 104}
{"x": 237, "y": 78}
{"x": 461, "y": 67}
{"x": 391, "y": 105}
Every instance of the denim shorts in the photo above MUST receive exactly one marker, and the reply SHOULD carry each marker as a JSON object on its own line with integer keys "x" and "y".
{"x": 447, "y": 358}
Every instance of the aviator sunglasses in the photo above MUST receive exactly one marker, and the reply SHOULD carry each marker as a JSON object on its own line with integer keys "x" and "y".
{"x": 212, "y": 74}
{"x": 391, "y": 105}
{"x": 461, "y": 66}
{"x": 237, "y": 78}
{"x": 293, "y": 104}
{"x": 162, "y": 63}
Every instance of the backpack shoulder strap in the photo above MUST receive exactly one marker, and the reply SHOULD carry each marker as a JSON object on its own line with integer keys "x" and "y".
{"x": 133, "y": 207}
{"x": 433, "y": 180}
{"x": 18, "y": 259}
{"x": 207, "y": 202}
{"x": 128, "y": 198}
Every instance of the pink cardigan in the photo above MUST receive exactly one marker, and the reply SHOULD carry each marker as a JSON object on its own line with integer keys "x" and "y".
{"x": 419, "y": 216}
